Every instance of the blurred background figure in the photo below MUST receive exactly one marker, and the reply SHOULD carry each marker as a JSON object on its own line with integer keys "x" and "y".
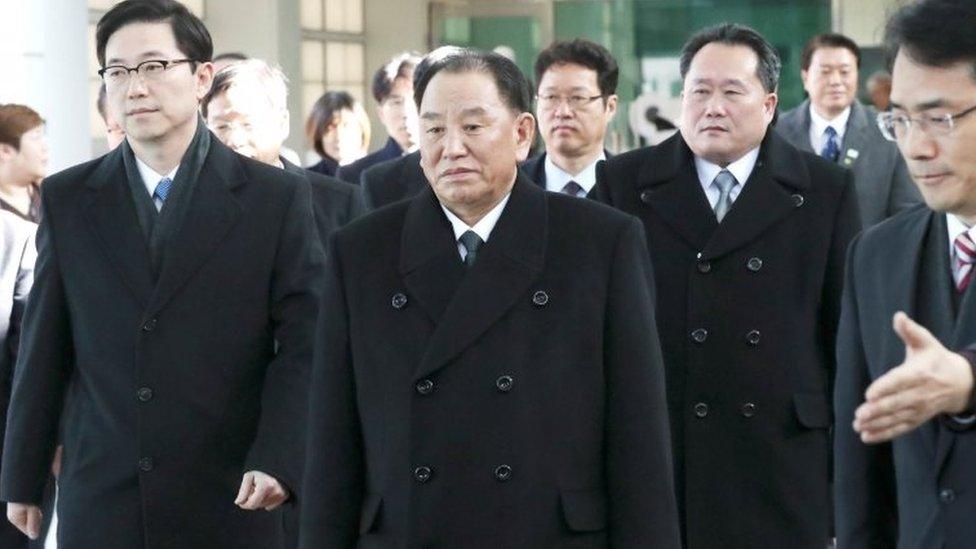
{"x": 222, "y": 60}
{"x": 114, "y": 134}
{"x": 393, "y": 91}
{"x": 879, "y": 90}
{"x": 23, "y": 160}
{"x": 338, "y": 130}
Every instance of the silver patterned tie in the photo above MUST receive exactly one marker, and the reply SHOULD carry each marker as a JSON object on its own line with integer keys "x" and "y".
{"x": 724, "y": 181}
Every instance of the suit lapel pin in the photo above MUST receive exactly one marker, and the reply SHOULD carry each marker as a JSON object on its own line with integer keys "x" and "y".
{"x": 851, "y": 156}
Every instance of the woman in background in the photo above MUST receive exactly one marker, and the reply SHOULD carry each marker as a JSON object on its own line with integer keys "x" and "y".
{"x": 338, "y": 130}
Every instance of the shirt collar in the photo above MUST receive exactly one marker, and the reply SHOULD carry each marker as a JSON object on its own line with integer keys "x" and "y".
{"x": 483, "y": 227}
{"x": 818, "y": 124}
{"x": 150, "y": 177}
{"x": 556, "y": 177}
{"x": 741, "y": 168}
{"x": 957, "y": 227}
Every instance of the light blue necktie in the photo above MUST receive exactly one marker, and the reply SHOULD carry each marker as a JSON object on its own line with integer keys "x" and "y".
{"x": 724, "y": 181}
{"x": 162, "y": 190}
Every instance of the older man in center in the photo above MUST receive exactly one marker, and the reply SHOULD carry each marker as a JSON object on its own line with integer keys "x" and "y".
{"x": 479, "y": 392}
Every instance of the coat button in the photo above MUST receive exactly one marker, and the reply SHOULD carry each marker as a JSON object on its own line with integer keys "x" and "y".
{"x": 146, "y": 464}
{"x": 701, "y": 409}
{"x": 425, "y": 386}
{"x": 144, "y": 394}
{"x": 503, "y": 473}
{"x": 422, "y": 474}
{"x": 748, "y": 409}
{"x": 399, "y": 301}
{"x": 704, "y": 267}
{"x": 754, "y": 264}
{"x": 947, "y": 495}
{"x": 753, "y": 337}
{"x": 504, "y": 383}
{"x": 699, "y": 335}
{"x": 645, "y": 196}
{"x": 149, "y": 325}
{"x": 540, "y": 298}
{"x": 797, "y": 200}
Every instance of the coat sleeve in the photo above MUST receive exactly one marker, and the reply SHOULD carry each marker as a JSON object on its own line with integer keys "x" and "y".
{"x": 334, "y": 477}
{"x": 847, "y": 223}
{"x": 639, "y": 473}
{"x": 294, "y": 293}
{"x": 864, "y": 482}
{"x": 904, "y": 193}
{"x": 44, "y": 365}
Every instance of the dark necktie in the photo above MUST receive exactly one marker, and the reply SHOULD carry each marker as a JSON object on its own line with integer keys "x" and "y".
{"x": 471, "y": 242}
{"x": 573, "y": 189}
{"x": 831, "y": 149}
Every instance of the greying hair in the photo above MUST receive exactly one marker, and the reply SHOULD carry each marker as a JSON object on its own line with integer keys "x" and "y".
{"x": 733, "y": 34}
{"x": 513, "y": 87}
{"x": 252, "y": 72}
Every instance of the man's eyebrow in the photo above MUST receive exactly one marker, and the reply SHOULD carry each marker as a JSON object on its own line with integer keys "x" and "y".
{"x": 932, "y": 104}
{"x": 431, "y": 116}
{"x": 153, "y": 54}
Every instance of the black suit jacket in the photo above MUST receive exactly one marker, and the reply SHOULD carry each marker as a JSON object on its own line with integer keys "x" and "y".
{"x": 747, "y": 311}
{"x": 535, "y": 169}
{"x": 518, "y": 404}
{"x": 175, "y": 386}
{"x": 350, "y": 173}
{"x": 335, "y": 203}
{"x": 918, "y": 491}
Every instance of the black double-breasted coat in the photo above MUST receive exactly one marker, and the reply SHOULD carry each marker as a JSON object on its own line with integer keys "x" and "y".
{"x": 174, "y": 385}
{"x": 747, "y": 312}
{"x": 519, "y": 404}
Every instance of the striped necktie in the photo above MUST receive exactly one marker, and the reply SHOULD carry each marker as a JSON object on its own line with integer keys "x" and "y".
{"x": 965, "y": 256}
{"x": 162, "y": 190}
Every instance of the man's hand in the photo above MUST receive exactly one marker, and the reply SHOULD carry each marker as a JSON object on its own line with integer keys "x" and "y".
{"x": 931, "y": 381}
{"x": 26, "y": 517}
{"x": 260, "y": 491}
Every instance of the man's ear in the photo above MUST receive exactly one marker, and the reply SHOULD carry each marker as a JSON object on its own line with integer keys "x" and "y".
{"x": 524, "y": 135}
{"x": 7, "y": 152}
{"x": 204, "y": 77}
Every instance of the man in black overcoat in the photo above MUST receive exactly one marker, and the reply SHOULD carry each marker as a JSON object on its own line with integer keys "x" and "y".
{"x": 487, "y": 371}
{"x": 906, "y": 413}
{"x": 175, "y": 296}
{"x": 747, "y": 235}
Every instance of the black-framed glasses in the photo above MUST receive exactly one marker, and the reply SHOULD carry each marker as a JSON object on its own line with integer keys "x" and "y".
{"x": 151, "y": 69}
{"x": 575, "y": 102}
{"x": 895, "y": 126}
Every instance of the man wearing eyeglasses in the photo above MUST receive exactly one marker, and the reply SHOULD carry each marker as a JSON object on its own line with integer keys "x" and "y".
{"x": 575, "y": 101}
{"x": 905, "y": 444}
{"x": 169, "y": 327}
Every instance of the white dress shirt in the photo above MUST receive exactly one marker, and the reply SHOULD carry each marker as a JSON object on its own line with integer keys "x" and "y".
{"x": 151, "y": 180}
{"x": 741, "y": 169}
{"x": 482, "y": 228}
{"x": 818, "y": 125}
{"x": 556, "y": 177}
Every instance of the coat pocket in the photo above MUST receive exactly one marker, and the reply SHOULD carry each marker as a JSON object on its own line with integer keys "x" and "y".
{"x": 812, "y": 410}
{"x": 584, "y": 510}
{"x": 370, "y": 513}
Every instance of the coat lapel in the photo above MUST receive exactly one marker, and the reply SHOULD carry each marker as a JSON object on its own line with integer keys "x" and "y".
{"x": 507, "y": 265}
{"x": 667, "y": 182}
{"x": 771, "y": 194}
{"x": 211, "y": 212}
{"x": 112, "y": 217}
{"x": 856, "y": 135}
{"x": 797, "y": 128}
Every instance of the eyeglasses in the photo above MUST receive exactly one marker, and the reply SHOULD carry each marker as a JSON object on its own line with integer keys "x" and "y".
{"x": 575, "y": 102}
{"x": 895, "y": 126}
{"x": 152, "y": 69}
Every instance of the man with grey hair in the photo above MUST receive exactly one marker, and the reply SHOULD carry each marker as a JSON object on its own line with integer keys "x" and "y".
{"x": 748, "y": 236}
{"x": 247, "y": 109}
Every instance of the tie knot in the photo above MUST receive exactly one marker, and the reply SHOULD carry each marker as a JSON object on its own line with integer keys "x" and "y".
{"x": 965, "y": 249}
{"x": 471, "y": 241}
{"x": 830, "y": 132}
{"x": 163, "y": 188}
{"x": 572, "y": 188}
{"x": 724, "y": 181}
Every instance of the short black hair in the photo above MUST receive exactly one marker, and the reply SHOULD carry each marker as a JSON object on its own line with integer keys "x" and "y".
{"x": 581, "y": 52}
{"x": 401, "y": 66}
{"x": 192, "y": 37}
{"x": 733, "y": 34}
{"x": 513, "y": 88}
{"x": 828, "y": 40}
{"x": 937, "y": 33}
